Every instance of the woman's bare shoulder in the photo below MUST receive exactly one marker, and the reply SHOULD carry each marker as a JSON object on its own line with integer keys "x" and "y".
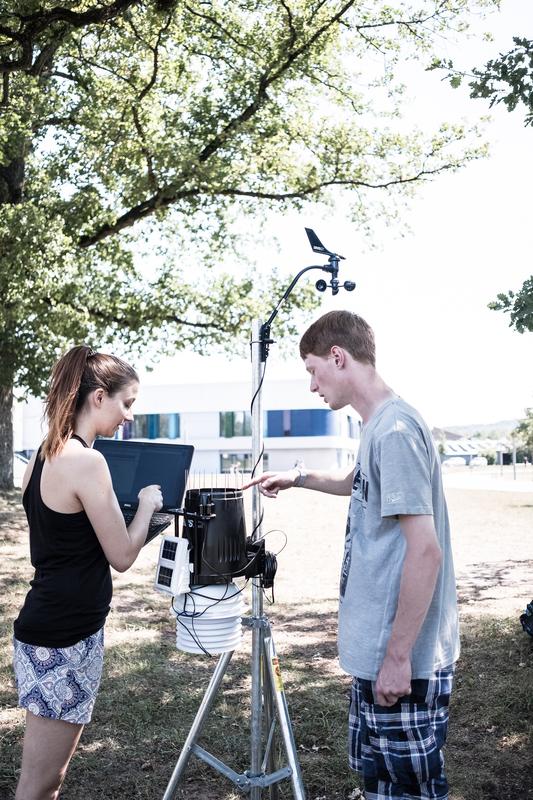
{"x": 75, "y": 463}
{"x": 80, "y": 457}
{"x": 67, "y": 476}
{"x": 28, "y": 471}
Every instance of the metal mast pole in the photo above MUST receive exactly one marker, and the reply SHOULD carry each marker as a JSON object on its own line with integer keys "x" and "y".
{"x": 257, "y": 595}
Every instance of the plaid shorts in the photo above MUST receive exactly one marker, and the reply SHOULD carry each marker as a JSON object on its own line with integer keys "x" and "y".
{"x": 60, "y": 682}
{"x": 398, "y": 749}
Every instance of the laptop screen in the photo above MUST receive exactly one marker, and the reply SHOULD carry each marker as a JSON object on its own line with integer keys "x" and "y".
{"x": 134, "y": 465}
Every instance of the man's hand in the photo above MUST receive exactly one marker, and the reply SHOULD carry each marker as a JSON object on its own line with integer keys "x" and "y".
{"x": 271, "y": 482}
{"x": 394, "y": 681}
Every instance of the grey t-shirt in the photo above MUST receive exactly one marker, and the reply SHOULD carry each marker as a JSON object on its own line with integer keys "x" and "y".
{"x": 397, "y": 472}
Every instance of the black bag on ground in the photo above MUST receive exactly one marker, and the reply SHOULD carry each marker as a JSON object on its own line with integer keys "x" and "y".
{"x": 526, "y": 619}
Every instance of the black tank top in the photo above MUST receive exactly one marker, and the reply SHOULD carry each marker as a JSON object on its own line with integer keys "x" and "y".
{"x": 71, "y": 591}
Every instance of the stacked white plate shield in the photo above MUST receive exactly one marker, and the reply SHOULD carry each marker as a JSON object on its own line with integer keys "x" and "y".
{"x": 209, "y": 619}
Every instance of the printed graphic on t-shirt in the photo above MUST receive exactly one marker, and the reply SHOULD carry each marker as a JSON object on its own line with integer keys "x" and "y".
{"x": 347, "y": 559}
{"x": 360, "y": 486}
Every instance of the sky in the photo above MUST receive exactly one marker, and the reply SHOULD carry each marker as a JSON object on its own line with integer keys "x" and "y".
{"x": 426, "y": 286}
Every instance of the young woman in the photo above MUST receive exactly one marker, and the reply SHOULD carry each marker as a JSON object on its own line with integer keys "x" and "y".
{"x": 76, "y": 531}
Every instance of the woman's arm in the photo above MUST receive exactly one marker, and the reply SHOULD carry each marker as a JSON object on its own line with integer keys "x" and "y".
{"x": 94, "y": 489}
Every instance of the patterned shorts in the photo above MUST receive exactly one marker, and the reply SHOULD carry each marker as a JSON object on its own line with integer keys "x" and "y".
{"x": 60, "y": 683}
{"x": 398, "y": 749}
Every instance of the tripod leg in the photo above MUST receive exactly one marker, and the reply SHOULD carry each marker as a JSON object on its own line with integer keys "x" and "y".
{"x": 268, "y": 695}
{"x": 278, "y": 692}
{"x": 196, "y": 728}
{"x": 256, "y": 710}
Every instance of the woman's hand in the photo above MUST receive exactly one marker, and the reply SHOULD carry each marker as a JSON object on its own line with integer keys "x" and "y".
{"x": 150, "y": 497}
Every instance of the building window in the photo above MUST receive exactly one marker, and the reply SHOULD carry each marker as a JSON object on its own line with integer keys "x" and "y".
{"x": 353, "y": 428}
{"x": 235, "y": 462}
{"x": 235, "y": 423}
{"x": 139, "y": 427}
{"x": 169, "y": 426}
{"x": 152, "y": 426}
{"x": 303, "y": 422}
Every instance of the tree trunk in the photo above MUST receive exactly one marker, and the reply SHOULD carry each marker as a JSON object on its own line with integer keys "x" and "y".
{"x": 6, "y": 437}
{"x": 12, "y": 176}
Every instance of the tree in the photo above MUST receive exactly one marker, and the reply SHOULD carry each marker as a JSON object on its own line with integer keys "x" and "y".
{"x": 524, "y": 432}
{"x": 131, "y": 128}
{"x": 507, "y": 79}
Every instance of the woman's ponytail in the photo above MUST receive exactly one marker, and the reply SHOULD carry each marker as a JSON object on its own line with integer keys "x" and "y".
{"x": 75, "y": 375}
{"x": 62, "y": 399}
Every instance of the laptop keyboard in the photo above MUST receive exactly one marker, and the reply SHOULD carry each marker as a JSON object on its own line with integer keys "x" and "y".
{"x": 156, "y": 520}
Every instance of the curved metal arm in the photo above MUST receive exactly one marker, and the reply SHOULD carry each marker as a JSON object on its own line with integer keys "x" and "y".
{"x": 289, "y": 289}
{"x": 264, "y": 332}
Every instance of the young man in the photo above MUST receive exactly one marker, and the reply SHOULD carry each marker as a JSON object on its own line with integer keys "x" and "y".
{"x": 398, "y": 630}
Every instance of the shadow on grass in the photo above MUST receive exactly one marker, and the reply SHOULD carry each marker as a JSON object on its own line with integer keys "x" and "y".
{"x": 490, "y": 575}
{"x": 12, "y": 517}
{"x": 164, "y": 691}
{"x": 491, "y": 735}
{"x": 150, "y": 694}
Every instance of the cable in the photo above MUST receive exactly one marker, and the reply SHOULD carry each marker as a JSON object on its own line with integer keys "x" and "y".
{"x": 275, "y": 530}
{"x": 191, "y": 631}
{"x": 261, "y": 454}
{"x": 234, "y": 573}
{"x": 267, "y": 598}
{"x": 197, "y": 614}
{"x": 195, "y": 593}
{"x": 269, "y": 572}
{"x": 258, "y": 525}
{"x": 258, "y": 388}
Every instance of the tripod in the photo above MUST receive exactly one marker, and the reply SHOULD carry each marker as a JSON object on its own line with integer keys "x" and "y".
{"x": 267, "y": 695}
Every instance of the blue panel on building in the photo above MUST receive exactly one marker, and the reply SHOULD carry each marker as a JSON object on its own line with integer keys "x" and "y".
{"x": 173, "y": 426}
{"x": 314, "y": 422}
{"x": 153, "y": 426}
{"x": 303, "y": 422}
{"x": 274, "y": 426}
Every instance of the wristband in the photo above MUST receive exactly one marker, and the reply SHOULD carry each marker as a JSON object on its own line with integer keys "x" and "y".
{"x": 302, "y": 477}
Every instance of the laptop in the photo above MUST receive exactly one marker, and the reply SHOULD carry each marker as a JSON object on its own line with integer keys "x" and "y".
{"x": 136, "y": 464}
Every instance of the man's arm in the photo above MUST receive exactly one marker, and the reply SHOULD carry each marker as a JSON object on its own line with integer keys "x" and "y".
{"x": 337, "y": 482}
{"x": 421, "y": 566}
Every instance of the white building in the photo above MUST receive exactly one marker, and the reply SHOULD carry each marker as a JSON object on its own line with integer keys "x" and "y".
{"x": 215, "y": 418}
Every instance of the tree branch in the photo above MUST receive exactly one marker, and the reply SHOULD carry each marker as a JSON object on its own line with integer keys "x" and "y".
{"x": 244, "y": 46}
{"x": 44, "y": 59}
{"x": 57, "y": 121}
{"x": 317, "y": 188}
{"x": 265, "y": 81}
{"x": 270, "y": 75}
{"x": 122, "y": 320}
{"x": 401, "y": 22}
{"x": 5, "y": 90}
{"x": 290, "y": 22}
{"x": 95, "y": 15}
{"x": 152, "y": 179}
{"x": 35, "y": 24}
{"x": 162, "y": 200}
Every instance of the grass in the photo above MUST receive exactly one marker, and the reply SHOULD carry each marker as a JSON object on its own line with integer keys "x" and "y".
{"x": 150, "y": 693}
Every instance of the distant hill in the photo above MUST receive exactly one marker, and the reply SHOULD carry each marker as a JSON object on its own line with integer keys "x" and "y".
{"x": 493, "y": 430}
